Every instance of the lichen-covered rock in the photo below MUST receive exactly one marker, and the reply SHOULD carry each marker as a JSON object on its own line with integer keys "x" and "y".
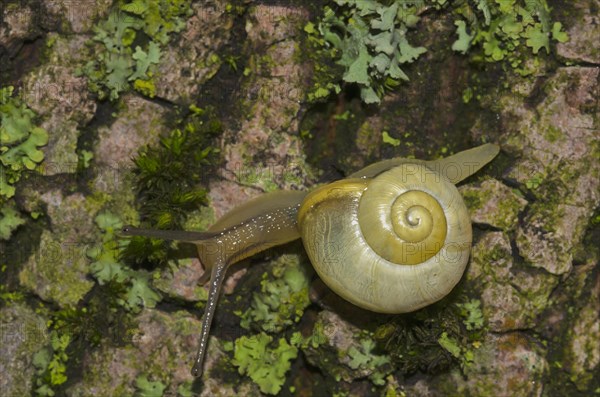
{"x": 78, "y": 15}
{"x": 512, "y": 296}
{"x": 558, "y": 166}
{"x": 491, "y": 256}
{"x": 504, "y": 365}
{"x": 583, "y": 35}
{"x": 582, "y": 342}
{"x": 187, "y": 64}
{"x": 163, "y": 350}
{"x": 22, "y": 333}
{"x": 139, "y": 122}
{"x": 268, "y": 155}
{"x": 18, "y": 25}
{"x": 493, "y": 203}
{"x": 57, "y": 270}
{"x": 62, "y": 101}
{"x": 346, "y": 354}
{"x": 180, "y": 280}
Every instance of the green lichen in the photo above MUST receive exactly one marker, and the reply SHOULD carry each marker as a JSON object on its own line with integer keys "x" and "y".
{"x": 282, "y": 298}
{"x": 51, "y": 364}
{"x": 256, "y": 357}
{"x": 365, "y": 42}
{"x": 107, "y": 268}
{"x": 368, "y": 40}
{"x": 9, "y": 221}
{"x": 365, "y": 358}
{"x": 314, "y": 340}
{"x": 472, "y": 315}
{"x": 389, "y": 139}
{"x": 147, "y": 388}
{"x": 129, "y": 42}
{"x": 503, "y": 28}
{"x": 20, "y": 142}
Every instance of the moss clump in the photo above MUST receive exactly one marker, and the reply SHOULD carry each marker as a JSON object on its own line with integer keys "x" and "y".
{"x": 170, "y": 180}
{"x": 434, "y": 338}
{"x": 129, "y": 44}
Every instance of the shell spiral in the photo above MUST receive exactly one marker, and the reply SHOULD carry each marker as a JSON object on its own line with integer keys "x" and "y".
{"x": 391, "y": 244}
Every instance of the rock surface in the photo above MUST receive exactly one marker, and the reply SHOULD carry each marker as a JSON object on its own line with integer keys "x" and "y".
{"x": 194, "y": 58}
{"x": 62, "y": 101}
{"x": 57, "y": 270}
{"x": 267, "y": 155}
{"x": 161, "y": 350}
{"x": 22, "y": 333}
{"x": 558, "y": 167}
{"x": 505, "y": 365}
{"x": 493, "y": 204}
{"x": 583, "y": 36}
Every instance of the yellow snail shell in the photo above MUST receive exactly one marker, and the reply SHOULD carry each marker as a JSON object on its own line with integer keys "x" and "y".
{"x": 402, "y": 240}
{"x": 391, "y": 238}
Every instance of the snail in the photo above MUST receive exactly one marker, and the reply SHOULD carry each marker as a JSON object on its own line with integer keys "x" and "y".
{"x": 391, "y": 238}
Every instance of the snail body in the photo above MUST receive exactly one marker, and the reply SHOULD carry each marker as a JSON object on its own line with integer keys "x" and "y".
{"x": 391, "y": 238}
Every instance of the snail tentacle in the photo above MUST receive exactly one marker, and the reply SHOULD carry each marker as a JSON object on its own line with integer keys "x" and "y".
{"x": 217, "y": 276}
{"x": 456, "y": 167}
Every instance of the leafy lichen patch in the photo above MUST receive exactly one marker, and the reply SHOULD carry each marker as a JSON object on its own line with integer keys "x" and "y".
{"x": 344, "y": 352}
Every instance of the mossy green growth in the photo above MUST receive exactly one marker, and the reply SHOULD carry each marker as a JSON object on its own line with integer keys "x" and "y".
{"x": 170, "y": 179}
{"x": 434, "y": 338}
{"x": 107, "y": 268}
{"x": 20, "y": 138}
{"x": 282, "y": 298}
{"x": 130, "y": 41}
{"x": 264, "y": 363}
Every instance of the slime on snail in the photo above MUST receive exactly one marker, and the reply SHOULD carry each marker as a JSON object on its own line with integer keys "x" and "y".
{"x": 391, "y": 238}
